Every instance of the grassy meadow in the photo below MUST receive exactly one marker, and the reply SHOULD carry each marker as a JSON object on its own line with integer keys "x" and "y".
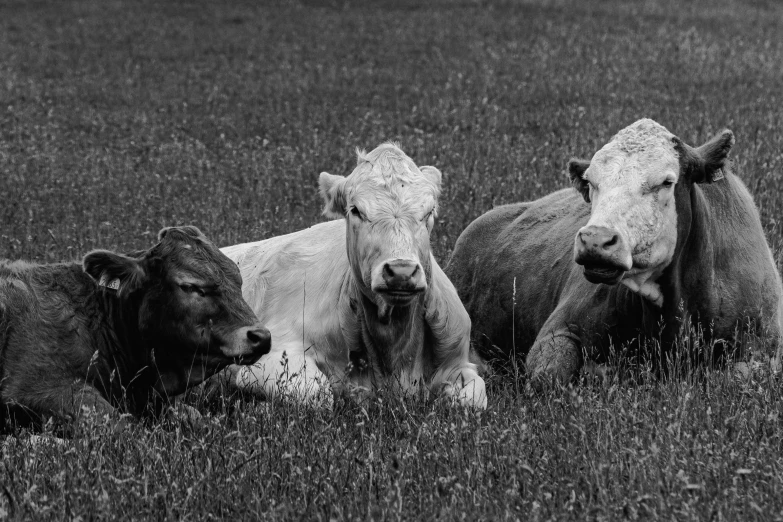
{"x": 120, "y": 117}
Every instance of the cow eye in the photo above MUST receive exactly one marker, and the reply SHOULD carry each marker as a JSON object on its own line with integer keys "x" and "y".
{"x": 355, "y": 211}
{"x": 192, "y": 289}
{"x": 667, "y": 183}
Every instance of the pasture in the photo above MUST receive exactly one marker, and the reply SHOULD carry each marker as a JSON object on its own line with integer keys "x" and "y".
{"x": 119, "y": 118}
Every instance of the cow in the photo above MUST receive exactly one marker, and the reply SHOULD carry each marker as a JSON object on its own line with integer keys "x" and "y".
{"x": 359, "y": 303}
{"x": 118, "y": 333}
{"x": 659, "y": 239}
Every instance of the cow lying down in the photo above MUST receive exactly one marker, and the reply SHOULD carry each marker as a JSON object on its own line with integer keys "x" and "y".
{"x": 118, "y": 332}
{"x": 657, "y": 236}
{"x": 360, "y": 303}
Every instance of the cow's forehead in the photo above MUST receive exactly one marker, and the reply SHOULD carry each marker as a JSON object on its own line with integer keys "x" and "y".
{"x": 199, "y": 259}
{"x": 642, "y": 136}
{"x": 385, "y": 165}
{"x": 644, "y": 146}
{"x": 388, "y": 173}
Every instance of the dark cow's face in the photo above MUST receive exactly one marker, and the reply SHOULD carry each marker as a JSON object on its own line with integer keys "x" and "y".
{"x": 631, "y": 235}
{"x": 389, "y": 206}
{"x": 191, "y": 310}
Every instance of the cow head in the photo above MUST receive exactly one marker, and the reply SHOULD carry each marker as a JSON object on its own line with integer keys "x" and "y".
{"x": 188, "y": 299}
{"x": 631, "y": 184}
{"x": 389, "y": 205}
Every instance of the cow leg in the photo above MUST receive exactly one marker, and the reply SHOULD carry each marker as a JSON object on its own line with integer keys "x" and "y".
{"x": 554, "y": 358}
{"x": 776, "y": 360}
{"x": 82, "y": 399}
{"x": 65, "y": 401}
{"x": 285, "y": 373}
{"x": 463, "y": 384}
{"x": 768, "y": 354}
{"x": 449, "y": 323}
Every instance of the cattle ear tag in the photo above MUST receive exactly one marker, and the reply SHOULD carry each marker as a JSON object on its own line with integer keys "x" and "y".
{"x": 114, "y": 284}
{"x": 718, "y": 175}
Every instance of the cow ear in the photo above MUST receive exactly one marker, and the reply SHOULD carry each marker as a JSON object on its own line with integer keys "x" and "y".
{"x": 705, "y": 164}
{"x": 715, "y": 154}
{"x": 432, "y": 174}
{"x": 576, "y": 171}
{"x": 114, "y": 271}
{"x": 331, "y": 188}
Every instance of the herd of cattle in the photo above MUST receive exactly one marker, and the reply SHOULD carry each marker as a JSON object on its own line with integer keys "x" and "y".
{"x": 656, "y": 238}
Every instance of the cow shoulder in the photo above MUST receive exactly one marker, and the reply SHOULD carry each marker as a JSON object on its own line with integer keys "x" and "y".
{"x": 745, "y": 272}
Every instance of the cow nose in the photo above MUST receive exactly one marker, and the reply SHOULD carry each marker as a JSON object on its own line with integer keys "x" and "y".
{"x": 399, "y": 270}
{"x": 260, "y": 340}
{"x": 599, "y": 239}
{"x": 402, "y": 274}
{"x": 601, "y": 246}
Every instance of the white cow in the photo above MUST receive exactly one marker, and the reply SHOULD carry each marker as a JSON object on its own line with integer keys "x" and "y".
{"x": 360, "y": 302}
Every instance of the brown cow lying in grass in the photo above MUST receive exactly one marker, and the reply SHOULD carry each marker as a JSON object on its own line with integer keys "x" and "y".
{"x": 119, "y": 332}
{"x": 659, "y": 237}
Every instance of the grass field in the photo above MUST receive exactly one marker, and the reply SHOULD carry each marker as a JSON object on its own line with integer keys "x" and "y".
{"x": 120, "y": 117}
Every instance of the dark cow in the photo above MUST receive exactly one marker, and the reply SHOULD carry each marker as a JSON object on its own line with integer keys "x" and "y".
{"x": 668, "y": 238}
{"x": 119, "y": 332}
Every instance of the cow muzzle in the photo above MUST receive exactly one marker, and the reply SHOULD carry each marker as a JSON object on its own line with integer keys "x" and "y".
{"x": 604, "y": 254}
{"x": 249, "y": 344}
{"x": 399, "y": 281}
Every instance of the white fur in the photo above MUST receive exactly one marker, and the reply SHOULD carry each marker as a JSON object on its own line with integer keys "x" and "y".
{"x": 314, "y": 291}
{"x": 627, "y": 196}
{"x": 301, "y": 287}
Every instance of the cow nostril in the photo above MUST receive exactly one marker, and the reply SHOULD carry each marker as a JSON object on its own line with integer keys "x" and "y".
{"x": 258, "y": 338}
{"x": 611, "y": 242}
{"x": 399, "y": 271}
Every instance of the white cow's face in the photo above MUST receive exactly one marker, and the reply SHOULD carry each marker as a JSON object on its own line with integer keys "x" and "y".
{"x": 631, "y": 184}
{"x": 389, "y": 205}
{"x": 633, "y": 221}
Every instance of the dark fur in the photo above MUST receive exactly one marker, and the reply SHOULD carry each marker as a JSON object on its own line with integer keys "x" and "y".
{"x": 67, "y": 342}
{"x": 722, "y": 274}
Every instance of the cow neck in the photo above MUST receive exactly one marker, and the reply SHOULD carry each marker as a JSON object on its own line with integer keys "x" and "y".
{"x": 688, "y": 281}
{"x": 171, "y": 376}
{"x": 124, "y": 350}
{"x": 390, "y": 335}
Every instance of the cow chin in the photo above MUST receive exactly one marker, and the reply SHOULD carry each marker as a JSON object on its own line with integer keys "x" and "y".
{"x": 398, "y": 297}
{"x": 599, "y": 270}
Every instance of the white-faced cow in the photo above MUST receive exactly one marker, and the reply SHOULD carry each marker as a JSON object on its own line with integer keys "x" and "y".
{"x": 119, "y": 332}
{"x": 657, "y": 236}
{"x": 359, "y": 302}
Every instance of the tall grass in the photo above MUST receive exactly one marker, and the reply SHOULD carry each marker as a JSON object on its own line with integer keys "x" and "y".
{"x": 119, "y": 118}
